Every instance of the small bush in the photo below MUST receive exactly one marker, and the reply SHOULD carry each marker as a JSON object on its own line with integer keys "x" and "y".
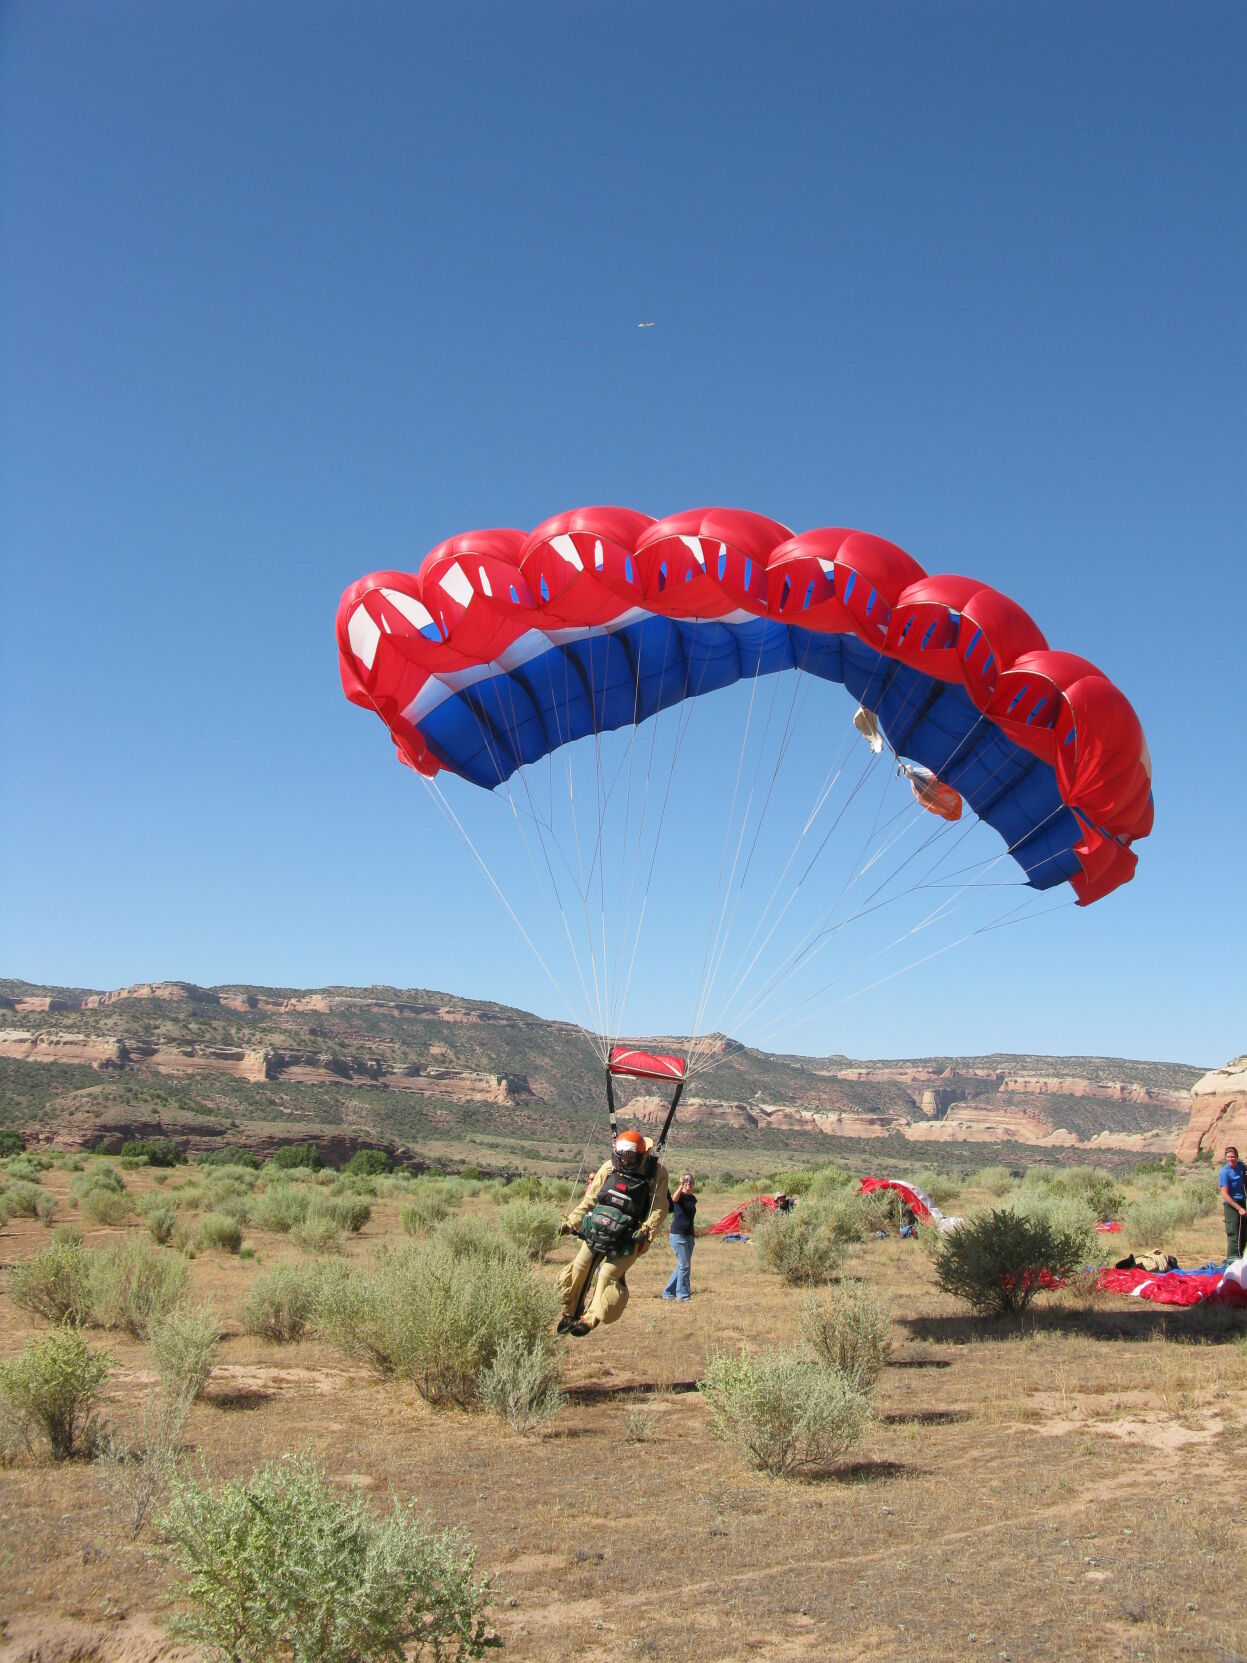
{"x": 25, "y": 1166}
{"x": 521, "y": 1384}
{"x": 11, "y": 1143}
{"x": 21, "y": 1199}
{"x": 221, "y": 1231}
{"x": 133, "y": 1285}
{"x": 283, "y": 1566}
{"x": 939, "y": 1187}
{"x": 229, "y": 1154}
{"x": 97, "y": 1177}
{"x": 369, "y": 1163}
{"x": 294, "y": 1155}
{"x": 802, "y": 1246}
{"x": 826, "y": 1181}
{"x": 1096, "y": 1189}
{"x": 103, "y": 1206}
{"x": 280, "y": 1304}
{"x": 783, "y": 1409}
{"x": 318, "y": 1233}
{"x": 54, "y": 1283}
{"x": 420, "y": 1216}
{"x": 849, "y": 1330}
{"x": 532, "y": 1227}
{"x": 161, "y": 1223}
{"x": 996, "y": 1180}
{"x": 348, "y": 1213}
{"x": 997, "y": 1261}
{"x": 474, "y": 1238}
{"x": 470, "y": 1172}
{"x": 155, "y": 1151}
{"x": 435, "y": 1318}
{"x": 138, "y": 1472}
{"x": 184, "y": 1346}
{"x": 280, "y": 1208}
{"x": 1150, "y": 1220}
{"x": 532, "y": 1188}
{"x": 55, "y": 1385}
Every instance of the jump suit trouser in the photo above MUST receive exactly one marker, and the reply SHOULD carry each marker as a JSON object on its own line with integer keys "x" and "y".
{"x": 610, "y": 1294}
{"x": 1235, "y": 1232}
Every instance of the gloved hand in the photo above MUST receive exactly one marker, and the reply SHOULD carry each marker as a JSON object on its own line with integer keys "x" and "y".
{"x": 641, "y": 1244}
{"x": 565, "y": 1228}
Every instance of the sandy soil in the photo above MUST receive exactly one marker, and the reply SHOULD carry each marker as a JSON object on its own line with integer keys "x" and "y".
{"x": 1063, "y": 1491}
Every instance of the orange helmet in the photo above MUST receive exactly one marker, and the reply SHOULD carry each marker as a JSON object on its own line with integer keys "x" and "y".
{"x": 630, "y": 1147}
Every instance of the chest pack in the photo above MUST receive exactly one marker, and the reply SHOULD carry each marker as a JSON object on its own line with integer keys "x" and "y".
{"x": 621, "y": 1208}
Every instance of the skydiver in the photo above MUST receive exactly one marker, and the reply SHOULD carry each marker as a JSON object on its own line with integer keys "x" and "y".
{"x": 616, "y": 1219}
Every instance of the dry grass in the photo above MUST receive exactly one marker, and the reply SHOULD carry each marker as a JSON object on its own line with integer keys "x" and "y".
{"x": 1053, "y": 1491}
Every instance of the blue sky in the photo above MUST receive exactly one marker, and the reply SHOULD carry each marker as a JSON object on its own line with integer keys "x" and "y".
{"x": 290, "y": 292}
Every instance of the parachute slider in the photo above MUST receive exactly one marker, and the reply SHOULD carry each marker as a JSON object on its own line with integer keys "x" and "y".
{"x": 930, "y": 791}
{"x": 645, "y": 1065}
{"x": 867, "y": 724}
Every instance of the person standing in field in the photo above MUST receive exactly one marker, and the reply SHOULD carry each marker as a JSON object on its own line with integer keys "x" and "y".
{"x": 1232, "y": 1180}
{"x": 683, "y": 1212}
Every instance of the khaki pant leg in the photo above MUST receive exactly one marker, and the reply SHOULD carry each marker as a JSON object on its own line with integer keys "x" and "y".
{"x": 572, "y": 1278}
{"x": 610, "y": 1296}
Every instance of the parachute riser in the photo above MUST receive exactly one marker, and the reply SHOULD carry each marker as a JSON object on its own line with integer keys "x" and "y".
{"x": 612, "y": 1110}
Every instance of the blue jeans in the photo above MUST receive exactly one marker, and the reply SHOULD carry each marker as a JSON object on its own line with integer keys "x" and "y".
{"x": 678, "y": 1286}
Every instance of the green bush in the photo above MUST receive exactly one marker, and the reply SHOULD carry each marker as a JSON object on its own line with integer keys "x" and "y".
{"x": 21, "y": 1199}
{"x": 532, "y": 1188}
{"x": 295, "y": 1155}
{"x": 1101, "y": 1193}
{"x": 433, "y": 1318}
{"x": 996, "y": 1180}
{"x": 280, "y": 1207}
{"x": 997, "y": 1261}
{"x": 54, "y": 1283}
{"x": 474, "y": 1238}
{"x": 161, "y": 1223}
{"x": 133, "y": 1285}
{"x": 369, "y": 1163}
{"x": 828, "y": 1180}
{"x": 55, "y": 1385}
{"x": 348, "y": 1213}
{"x": 422, "y": 1215}
{"x": 184, "y": 1346}
{"x": 803, "y": 1246}
{"x": 97, "y": 1177}
{"x": 318, "y": 1233}
{"x": 155, "y": 1151}
{"x": 521, "y": 1384}
{"x": 104, "y": 1206}
{"x": 283, "y": 1566}
{"x": 849, "y": 1330}
{"x": 229, "y": 1154}
{"x": 280, "y": 1304}
{"x": 220, "y": 1231}
{"x": 1150, "y": 1220}
{"x": 25, "y": 1166}
{"x": 470, "y": 1172}
{"x": 532, "y": 1227}
{"x": 783, "y": 1409}
{"x": 11, "y": 1143}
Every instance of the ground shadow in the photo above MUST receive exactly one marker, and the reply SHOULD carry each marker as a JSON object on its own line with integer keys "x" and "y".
{"x": 859, "y": 1472}
{"x": 924, "y": 1417}
{"x": 244, "y": 1397}
{"x": 919, "y": 1363}
{"x": 604, "y": 1391}
{"x": 1189, "y": 1324}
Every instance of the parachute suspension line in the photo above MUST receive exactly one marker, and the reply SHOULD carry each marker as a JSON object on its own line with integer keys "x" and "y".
{"x": 683, "y": 724}
{"x": 436, "y": 792}
{"x": 625, "y": 921}
{"x": 938, "y": 914}
{"x": 729, "y": 821}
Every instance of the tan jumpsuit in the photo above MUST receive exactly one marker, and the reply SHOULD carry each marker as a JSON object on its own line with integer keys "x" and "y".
{"x": 610, "y": 1295}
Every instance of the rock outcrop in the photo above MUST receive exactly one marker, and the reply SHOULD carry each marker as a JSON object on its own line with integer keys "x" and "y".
{"x": 1218, "y": 1112}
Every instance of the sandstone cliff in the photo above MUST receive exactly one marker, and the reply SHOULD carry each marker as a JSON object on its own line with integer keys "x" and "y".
{"x": 1218, "y": 1112}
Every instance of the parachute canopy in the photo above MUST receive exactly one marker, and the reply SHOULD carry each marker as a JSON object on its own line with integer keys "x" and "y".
{"x": 645, "y": 1065}
{"x": 509, "y": 644}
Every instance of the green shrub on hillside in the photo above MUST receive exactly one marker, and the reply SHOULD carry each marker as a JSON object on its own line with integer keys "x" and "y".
{"x": 532, "y": 1227}
{"x": 280, "y": 1207}
{"x": 296, "y": 1155}
{"x": 133, "y": 1285}
{"x": 369, "y": 1163}
{"x": 53, "y": 1283}
{"x": 11, "y": 1143}
{"x": 229, "y": 1154}
{"x": 996, "y": 1180}
{"x": 850, "y": 1330}
{"x": 155, "y": 1151}
{"x": 281, "y": 1303}
{"x": 221, "y": 1231}
{"x": 284, "y": 1566}
{"x": 184, "y": 1345}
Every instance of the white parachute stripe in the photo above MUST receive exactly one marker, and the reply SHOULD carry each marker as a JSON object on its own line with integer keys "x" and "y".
{"x": 363, "y": 634}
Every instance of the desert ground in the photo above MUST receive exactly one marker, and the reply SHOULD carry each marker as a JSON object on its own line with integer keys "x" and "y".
{"x": 1060, "y": 1487}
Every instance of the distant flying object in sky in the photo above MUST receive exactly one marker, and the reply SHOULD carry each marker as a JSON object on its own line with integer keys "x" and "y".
{"x": 648, "y": 325}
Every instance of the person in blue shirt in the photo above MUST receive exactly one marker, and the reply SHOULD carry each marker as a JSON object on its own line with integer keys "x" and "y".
{"x": 1232, "y": 1179}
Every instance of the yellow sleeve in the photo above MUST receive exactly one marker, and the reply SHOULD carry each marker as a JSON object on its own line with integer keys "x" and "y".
{"x": 590, "y": 1195}
{"x": 660, "y": 1208}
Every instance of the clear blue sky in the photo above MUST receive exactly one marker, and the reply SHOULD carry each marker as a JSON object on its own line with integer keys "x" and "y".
{"x": 290, "y": 292}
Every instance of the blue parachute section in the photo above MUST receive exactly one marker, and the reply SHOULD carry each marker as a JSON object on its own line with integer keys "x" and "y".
{"x": 608, "y": 680}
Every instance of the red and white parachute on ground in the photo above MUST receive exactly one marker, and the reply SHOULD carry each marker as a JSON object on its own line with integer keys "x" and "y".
{"x": 918, "y": 1202}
